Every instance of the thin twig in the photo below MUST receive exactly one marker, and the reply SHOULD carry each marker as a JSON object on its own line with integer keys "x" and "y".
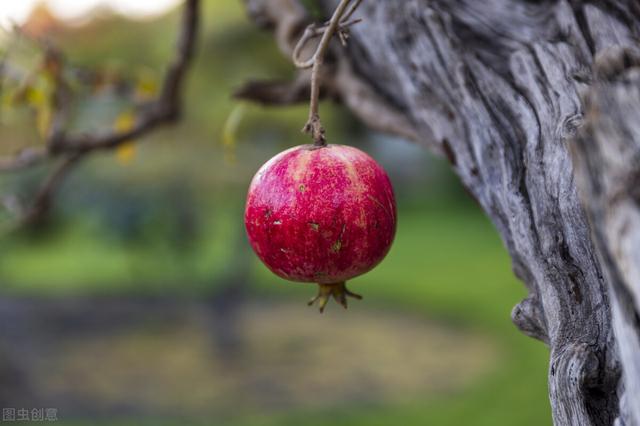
{"x": 313, "y": 31}
{"x": 339, "y": 24}
{"x": 352, "y": 10}
{"x": 25, "y": 158}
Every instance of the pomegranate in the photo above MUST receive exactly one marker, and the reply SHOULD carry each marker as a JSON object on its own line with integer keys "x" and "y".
{"x": 321, "y": 214}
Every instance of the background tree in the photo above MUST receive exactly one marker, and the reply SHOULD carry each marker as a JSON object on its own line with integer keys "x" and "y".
{"x": 53, "y": 115}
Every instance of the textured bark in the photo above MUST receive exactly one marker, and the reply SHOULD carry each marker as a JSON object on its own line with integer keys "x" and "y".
{"x": 497, "y": 87}
{"x": 607, "y": 153}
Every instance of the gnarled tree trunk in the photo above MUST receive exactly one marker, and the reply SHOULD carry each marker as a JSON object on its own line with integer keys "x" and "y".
{"x": 498, "y": 87}
{"x": 607, "y": 153}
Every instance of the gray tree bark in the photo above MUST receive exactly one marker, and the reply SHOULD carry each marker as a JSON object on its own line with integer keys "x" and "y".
{"x": 498, "y": 87}
{"x": 607, "y": 161}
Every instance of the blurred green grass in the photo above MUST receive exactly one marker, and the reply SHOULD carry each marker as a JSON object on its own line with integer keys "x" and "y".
{"x": 444, "y": 264}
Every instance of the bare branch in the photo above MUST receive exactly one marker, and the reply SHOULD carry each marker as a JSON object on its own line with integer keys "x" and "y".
{"x": 312, "y": 32}
{"x": 351, "y": 11}
{"x": 42, "y": 201}
{"x": 339, "y": 23}
{"x": 276, "y": 92}
{"x": 340, "y": 81}
{"x": 165, "y": 109}
{"x": 25, "y": 158}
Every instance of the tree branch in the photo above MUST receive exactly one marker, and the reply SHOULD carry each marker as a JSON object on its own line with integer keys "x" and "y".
{"x": 23, "y": 159}
{"x": 41, "y": 203}
{"x": 165, "y": 109}
{"x": 339, "y": 23}
{"x": 286, "y": 19}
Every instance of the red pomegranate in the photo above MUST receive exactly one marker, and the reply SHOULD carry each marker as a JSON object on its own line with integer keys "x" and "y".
{"x": 321, "y": 214}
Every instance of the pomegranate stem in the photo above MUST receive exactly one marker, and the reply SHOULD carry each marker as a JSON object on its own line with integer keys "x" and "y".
{"x": 338, "y": 24}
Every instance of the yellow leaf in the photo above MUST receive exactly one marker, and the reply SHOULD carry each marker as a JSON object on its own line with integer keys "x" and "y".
{"x": 38, "y": 96}
{"x": 146, "y": 87}
{"x": 125, "y": 121}
{"x": 35, "y": 96}
{"x": 125, "y": 153}
{"x": 43, "y": 120}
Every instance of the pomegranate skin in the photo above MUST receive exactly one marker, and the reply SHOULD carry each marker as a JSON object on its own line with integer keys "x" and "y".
{"x": 321, "y": 214}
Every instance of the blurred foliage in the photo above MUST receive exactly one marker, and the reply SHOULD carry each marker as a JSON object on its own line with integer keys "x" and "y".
{"x": 313, "y": 8}
{"x": 165, "y": 217}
